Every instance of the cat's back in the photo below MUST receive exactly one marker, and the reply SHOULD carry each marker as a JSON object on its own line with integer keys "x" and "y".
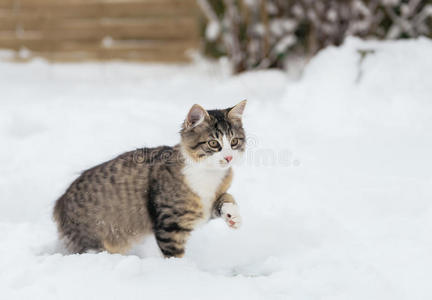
{"x": 130, "y": 169}
{"x": 113, "y": 194}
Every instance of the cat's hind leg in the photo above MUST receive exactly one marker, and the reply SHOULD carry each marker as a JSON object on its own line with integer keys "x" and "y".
{"x": 78, "y": 242}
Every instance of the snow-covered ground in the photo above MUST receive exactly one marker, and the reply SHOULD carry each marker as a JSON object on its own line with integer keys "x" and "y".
{"x": 335, "y": 191}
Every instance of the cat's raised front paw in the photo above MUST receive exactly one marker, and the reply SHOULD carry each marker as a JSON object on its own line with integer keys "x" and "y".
{"x": 230, "y": 213}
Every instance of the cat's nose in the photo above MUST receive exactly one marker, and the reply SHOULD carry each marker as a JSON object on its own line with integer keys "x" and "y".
{"x": 228, "y": 158}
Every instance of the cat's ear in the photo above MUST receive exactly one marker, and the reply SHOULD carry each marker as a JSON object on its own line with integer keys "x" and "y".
{"x": 236, "y": 112}
{"x": 195, "y": 116}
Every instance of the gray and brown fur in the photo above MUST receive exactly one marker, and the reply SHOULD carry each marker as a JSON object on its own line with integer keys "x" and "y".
{"x": 114, "y": 205}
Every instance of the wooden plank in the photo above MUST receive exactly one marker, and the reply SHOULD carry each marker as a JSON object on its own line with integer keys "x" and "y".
{"x": 123, "y": 46}
{"x": 9, "y": 4}
{"x": 38, "y": 43}
{"x": 25, "y": 3}
{"x": 32, "y": 42}
{"x": 85, "y": 9}
{"x": 159, "y": 57}
{"x": 179, "y": 28}
{"x": 131, "y": 51}
{"x": 13, "y": 22}
{"x": 176, "y": 9}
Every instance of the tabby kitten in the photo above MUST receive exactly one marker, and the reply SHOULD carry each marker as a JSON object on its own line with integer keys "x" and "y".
{"x": 167, "y": 191}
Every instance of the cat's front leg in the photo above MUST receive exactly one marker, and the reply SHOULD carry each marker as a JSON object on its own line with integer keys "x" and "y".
{"x": 172, "y": 240}
{"x": 226, "y": 207}
{"x": 230, "y": 213}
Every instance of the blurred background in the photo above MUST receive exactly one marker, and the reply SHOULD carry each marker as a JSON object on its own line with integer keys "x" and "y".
{"x": 73, "y": 30}
{"x": 335, "y": 190}
{"x": 254, "y": 34}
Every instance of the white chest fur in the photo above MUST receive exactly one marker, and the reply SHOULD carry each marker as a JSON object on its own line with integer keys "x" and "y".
{"x": 204, "y": 182}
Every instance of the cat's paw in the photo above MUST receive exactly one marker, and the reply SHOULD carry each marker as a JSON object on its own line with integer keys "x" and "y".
{"x": 230, "y": 213}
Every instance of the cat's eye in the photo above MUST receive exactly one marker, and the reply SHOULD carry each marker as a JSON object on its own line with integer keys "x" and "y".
{"x": 213, "y": 144}
{"x": 234, "y": 142}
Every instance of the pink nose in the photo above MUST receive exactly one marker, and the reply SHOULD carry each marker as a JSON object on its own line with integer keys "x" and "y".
{"x": 228, "y": 158}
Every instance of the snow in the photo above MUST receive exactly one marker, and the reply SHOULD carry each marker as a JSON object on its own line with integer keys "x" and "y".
{"x": 212, "y": 31}
{"x": 335, "y": 190}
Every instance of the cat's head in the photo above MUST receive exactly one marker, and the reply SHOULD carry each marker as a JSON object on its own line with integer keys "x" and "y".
{"x": 214, "y": 138}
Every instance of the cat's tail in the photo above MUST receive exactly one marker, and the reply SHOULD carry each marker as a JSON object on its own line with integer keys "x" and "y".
{"x": 58, "y": 214}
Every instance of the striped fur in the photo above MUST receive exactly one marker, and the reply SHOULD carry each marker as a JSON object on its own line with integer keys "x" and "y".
{"x": 167, "y": 191}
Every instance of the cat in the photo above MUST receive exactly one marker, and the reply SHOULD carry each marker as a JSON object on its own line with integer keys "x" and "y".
{"x": 167, "y": 191}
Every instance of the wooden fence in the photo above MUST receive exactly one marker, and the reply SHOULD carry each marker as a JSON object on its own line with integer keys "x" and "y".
{"x": 65, "y": 30}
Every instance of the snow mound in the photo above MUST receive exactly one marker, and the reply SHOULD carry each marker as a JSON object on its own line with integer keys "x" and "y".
{"x": 335, "y": 190}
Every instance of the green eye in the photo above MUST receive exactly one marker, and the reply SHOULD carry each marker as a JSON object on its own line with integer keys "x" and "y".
{"x": 234, "y": 142}
{"x": 213, "y": 144}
